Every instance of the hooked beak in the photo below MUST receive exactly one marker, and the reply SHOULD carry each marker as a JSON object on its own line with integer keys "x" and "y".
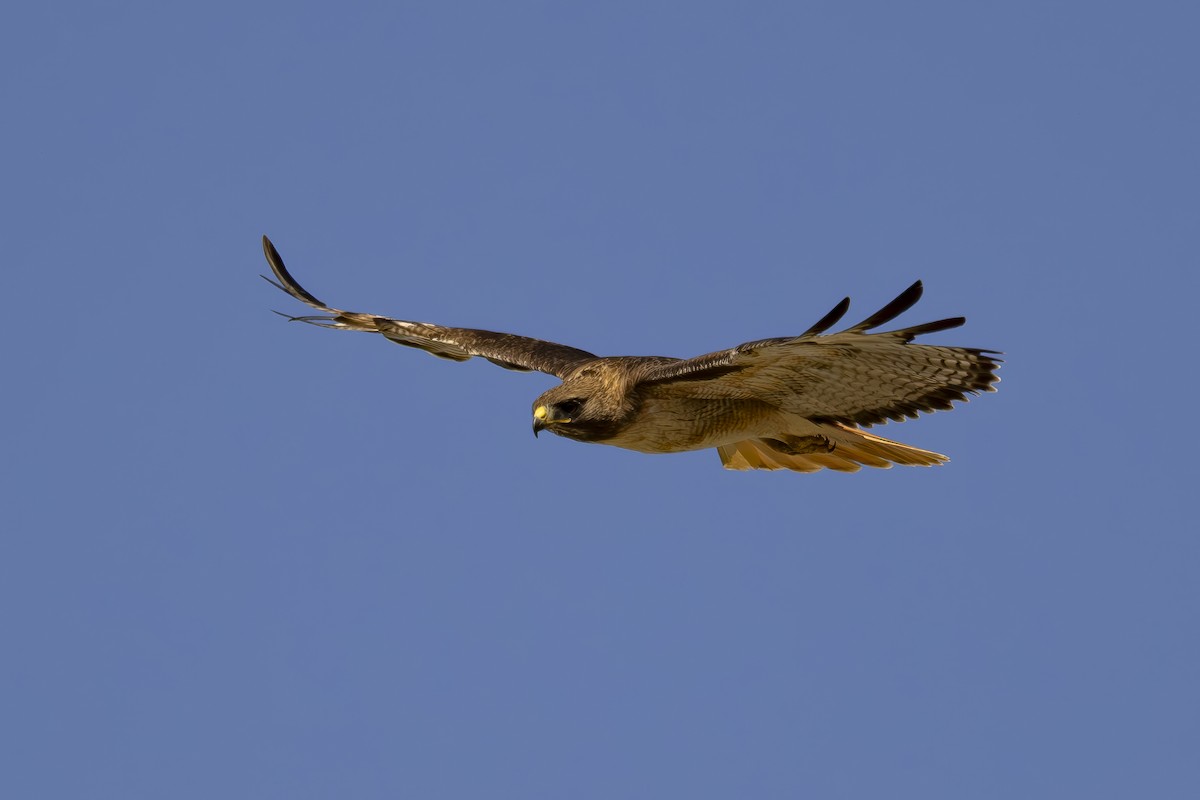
{"x": 543, "y": 418}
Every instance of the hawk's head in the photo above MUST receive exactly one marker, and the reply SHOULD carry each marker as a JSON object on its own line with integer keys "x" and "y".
{"x": 591, "y": 405}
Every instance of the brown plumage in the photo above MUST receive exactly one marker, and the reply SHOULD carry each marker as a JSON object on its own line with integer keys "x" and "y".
{"x": 787, "y": 403}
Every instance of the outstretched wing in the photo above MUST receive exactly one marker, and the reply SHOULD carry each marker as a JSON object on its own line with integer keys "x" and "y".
{"x": 851, "y": 377}
{"x": 458, "y": 344}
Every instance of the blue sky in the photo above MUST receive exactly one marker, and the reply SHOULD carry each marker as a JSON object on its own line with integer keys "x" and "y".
{"x": 244, "y": 558}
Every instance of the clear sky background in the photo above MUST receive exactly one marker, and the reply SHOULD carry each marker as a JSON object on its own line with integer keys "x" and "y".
{"x": 242, "y": 558}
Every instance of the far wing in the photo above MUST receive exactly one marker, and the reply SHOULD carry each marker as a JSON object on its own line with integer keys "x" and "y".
{"x": 458, "y": 344}
{"x": 852, "y": 377}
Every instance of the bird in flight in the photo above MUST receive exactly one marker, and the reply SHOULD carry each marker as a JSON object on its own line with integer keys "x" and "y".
{"x": 795, "y": 402}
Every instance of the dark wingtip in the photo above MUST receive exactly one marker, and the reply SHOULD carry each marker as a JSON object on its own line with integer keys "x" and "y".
{"x": 906, "y": 300}
{"x": 830, "y": 319}
{"x": 286, "y": 281}
{"x": 276, "y": 261}
{"x": 272, "y": 255}
{"x": 933, "y": 327}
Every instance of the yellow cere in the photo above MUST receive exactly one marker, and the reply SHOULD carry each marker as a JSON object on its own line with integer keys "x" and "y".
{"x": 540, "y": 412}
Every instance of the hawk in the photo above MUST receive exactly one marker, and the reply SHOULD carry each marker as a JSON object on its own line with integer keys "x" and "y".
{"x": 795, "y": 402}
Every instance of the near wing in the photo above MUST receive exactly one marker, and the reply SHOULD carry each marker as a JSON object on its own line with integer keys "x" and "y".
{"x": 852, "y": 377}
{"x": 458, "y": 344}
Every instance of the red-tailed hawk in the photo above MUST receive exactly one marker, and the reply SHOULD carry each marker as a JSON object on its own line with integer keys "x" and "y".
{"x": 794, "y": 402}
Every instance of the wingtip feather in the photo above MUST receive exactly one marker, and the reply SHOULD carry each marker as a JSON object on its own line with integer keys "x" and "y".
{"x": 286, "y": 282}
{"x": 903, "y": 302}
{"x": 830, "y": 319}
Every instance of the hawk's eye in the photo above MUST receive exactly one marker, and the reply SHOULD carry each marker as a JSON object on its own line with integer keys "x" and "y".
{"x": 570, "y": 407}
